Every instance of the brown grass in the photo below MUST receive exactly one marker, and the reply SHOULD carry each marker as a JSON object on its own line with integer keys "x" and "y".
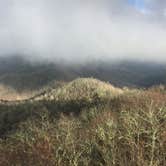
{"x": 126, "y": 130}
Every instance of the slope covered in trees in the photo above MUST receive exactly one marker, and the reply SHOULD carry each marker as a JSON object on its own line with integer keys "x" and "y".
{"x": 96, "y": 124}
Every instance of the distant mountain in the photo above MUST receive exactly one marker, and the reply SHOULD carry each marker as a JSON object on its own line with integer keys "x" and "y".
{"x": 21, "y": 74}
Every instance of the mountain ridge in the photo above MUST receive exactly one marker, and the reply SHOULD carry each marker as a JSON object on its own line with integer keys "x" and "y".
{"x": 21, "y": 74}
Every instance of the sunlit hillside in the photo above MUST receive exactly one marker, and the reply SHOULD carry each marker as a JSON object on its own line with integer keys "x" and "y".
{"x": 85, "y": 122}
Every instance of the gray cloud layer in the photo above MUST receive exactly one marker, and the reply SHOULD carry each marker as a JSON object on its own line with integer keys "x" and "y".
{"x": 83, "y": 29}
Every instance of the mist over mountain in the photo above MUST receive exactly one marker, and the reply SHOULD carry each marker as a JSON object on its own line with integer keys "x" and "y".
{"x": 120, "y": 41}
{"x": 22, "y": 74}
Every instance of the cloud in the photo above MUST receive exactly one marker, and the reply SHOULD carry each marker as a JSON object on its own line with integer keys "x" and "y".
{"x": 80, "y": 30}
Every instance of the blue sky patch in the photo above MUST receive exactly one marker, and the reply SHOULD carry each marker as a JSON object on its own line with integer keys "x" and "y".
{"x": 138, "y": 4}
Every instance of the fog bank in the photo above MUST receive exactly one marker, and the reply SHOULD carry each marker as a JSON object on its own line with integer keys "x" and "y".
{"x": 83, "y": 30}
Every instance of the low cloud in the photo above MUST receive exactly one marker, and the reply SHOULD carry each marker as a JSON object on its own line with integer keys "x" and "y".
{"x": 81, "y": 30}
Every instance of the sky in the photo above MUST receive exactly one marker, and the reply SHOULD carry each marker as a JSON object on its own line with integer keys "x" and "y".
{"x": 83, "y": 30}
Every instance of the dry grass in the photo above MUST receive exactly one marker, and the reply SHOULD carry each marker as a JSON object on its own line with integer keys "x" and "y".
{"x": 10, "y": 94}
{"x": 126, "y": 130}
